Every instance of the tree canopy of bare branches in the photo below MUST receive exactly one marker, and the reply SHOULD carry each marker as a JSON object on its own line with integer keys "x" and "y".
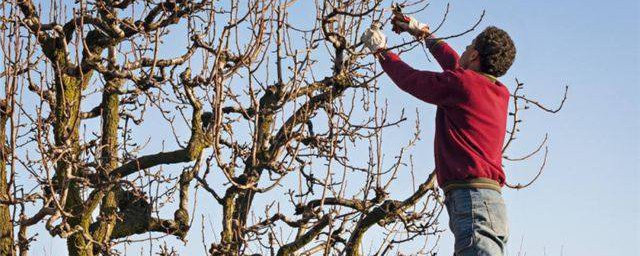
{"x": 117, "y": 110}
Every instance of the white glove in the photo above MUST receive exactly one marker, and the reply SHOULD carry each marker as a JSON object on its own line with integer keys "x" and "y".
{"x": 373, "y": 38}
{"x": 414, "y": 26}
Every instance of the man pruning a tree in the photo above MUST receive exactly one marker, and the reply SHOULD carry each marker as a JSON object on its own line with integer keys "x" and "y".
{"x": 470, "y": 126}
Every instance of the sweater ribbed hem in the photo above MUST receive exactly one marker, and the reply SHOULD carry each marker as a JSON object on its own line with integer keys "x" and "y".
{"x": 484, "y": 183}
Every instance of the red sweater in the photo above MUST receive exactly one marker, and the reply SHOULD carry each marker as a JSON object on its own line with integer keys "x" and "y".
{"x": 471, "y": 118}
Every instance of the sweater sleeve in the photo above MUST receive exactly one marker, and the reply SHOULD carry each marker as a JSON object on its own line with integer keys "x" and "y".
{"x": 444, "y": 54}
{"x": 432, "y": 87}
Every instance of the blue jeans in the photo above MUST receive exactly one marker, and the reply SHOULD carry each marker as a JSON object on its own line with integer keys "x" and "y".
{"x": 478, "y": 220}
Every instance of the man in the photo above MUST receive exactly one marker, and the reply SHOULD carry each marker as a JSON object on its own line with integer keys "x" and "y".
{"x": 470, "y": 127}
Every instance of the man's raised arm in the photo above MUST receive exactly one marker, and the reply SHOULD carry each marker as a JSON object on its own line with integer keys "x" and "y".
{"x": 446, "y": 56}
{"x": 439, "y": 88}
{"x": 433, "y": 87}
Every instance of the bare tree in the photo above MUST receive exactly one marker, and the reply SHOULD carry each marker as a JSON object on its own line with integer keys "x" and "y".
{"x": 255, "y": 104}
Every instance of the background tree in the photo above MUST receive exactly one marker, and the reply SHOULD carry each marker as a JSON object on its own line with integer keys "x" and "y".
{"x": 114, "y": 127}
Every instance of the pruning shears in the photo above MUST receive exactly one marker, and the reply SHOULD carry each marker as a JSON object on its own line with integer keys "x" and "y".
{"x": 398, "y": 16}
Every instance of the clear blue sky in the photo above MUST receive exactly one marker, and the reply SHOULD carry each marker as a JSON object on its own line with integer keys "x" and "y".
{"x": 587, "y": 202}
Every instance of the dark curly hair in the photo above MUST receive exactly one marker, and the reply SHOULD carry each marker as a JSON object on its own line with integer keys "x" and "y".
{"x": 496, "y": 50}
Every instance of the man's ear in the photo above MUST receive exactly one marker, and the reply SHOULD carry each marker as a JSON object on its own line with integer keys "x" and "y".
{"x": 474, "y": 55}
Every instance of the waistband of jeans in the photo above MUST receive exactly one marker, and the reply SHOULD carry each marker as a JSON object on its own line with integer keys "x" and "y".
{"x": 484, "y": 183}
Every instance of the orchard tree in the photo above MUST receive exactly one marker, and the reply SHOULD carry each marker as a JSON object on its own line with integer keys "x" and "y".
{"x": 114, "y": 111}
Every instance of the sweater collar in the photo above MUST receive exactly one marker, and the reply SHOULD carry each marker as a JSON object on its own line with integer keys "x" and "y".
{"x": 493, "y": 79}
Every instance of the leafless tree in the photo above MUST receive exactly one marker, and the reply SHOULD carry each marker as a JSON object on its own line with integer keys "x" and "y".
{"x": 115, "y": 109}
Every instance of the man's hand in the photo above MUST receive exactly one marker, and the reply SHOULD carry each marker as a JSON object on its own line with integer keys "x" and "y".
{"x": 409, "y": 24}
{"x": 374, "y": 39}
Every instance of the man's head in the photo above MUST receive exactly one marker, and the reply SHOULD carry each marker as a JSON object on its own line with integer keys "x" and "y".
{"x": 491, "y": 52}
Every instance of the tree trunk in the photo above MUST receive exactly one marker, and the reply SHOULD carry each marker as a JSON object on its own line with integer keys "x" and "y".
{"x": 109, "y": 156}
{"x": 6, "y": 225}
{"x": 66, "y": 133}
